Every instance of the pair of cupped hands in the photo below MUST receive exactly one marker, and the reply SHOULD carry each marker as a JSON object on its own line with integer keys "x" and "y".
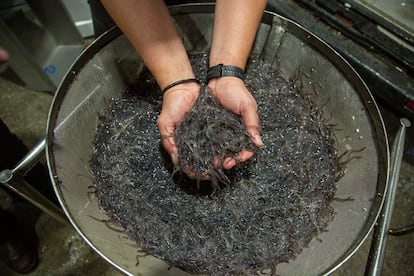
{"x": 230, "y": 92}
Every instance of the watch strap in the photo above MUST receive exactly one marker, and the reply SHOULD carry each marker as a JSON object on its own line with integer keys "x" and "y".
{"x": 221, "y": 70}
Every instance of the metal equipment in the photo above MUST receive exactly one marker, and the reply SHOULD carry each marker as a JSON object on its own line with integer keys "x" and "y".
{"x": 109, "y": 64}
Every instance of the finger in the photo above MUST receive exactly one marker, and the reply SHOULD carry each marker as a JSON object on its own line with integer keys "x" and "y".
{"x": 216, "y": 162}
{"x": 229, "y": 163}
{"x": 174, "y": 158}
{"x": 168, "y": 142}
{"x": 251, "y": 121}
{"x": 245, "y": 155}
{"x": 191, "y": 173}
{"x": 167, "y": 137}
{"x": 241, "y": 157}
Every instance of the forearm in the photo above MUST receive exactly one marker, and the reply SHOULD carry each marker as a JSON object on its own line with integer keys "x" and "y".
{"x": 150, "y": 29}
{"x": 235, "y": 27}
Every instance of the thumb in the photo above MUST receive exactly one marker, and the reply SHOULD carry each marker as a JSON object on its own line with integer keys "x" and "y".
{"x": 168, "y": 140}
{"x": 251, "y": 121}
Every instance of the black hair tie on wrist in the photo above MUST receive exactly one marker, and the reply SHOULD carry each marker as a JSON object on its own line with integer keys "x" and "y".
{"x": 221, "y": 70}
{"x": 179, "y": 82}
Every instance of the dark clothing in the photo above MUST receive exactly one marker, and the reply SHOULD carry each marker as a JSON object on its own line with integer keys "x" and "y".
{"x": 18, "y": 239}
{"x": 102, "y": 21}
{"x": 12, "y": 150}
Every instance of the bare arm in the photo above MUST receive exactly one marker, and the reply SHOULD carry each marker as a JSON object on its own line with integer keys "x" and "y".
{"x": 149, "y": 27}
{"x": 235, "y": 27}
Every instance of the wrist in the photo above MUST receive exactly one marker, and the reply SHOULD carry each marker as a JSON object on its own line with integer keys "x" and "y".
{"x": 180, "y": 83}
{"x": 192, "y": 87}
{"x": 219, "y": 85}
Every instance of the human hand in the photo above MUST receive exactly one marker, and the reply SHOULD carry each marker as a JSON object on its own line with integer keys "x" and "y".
{"x": 177, "y": 101}
{"x": 233, "y": 95}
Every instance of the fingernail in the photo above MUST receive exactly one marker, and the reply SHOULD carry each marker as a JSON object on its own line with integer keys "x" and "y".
{"x": 258, "y": 140}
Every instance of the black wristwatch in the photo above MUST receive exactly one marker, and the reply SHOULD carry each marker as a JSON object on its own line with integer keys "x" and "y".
{"x": 221, "y": 70}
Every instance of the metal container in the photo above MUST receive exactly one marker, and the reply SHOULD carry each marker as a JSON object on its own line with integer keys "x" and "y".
{"x": 107, "y": 66}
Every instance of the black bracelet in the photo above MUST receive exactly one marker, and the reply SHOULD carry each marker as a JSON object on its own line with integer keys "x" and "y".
{"x": 221, "y": 70}
{"x": 179, "y": 82}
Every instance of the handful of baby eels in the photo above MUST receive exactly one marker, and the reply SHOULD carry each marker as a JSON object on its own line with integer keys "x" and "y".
{"x": 207, "y": 135}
